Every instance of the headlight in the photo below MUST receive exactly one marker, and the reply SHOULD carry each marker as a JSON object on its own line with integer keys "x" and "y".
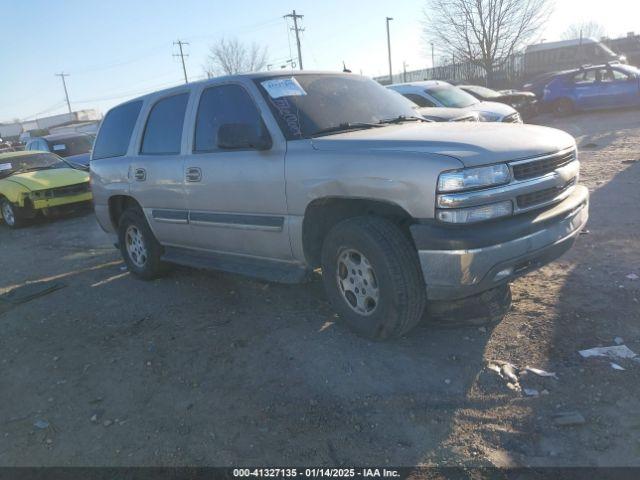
{"x": 476, "y": 214}
{"x": 489, "y": 117}
{"x": 478, "y": 177}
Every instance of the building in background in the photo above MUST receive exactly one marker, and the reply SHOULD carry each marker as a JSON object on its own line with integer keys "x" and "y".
{"x": 85, "y": 121}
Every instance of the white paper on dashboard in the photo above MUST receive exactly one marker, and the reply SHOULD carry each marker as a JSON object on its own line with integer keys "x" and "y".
{"x": 59, "y": 147}
{"x": 283, "y": 87}
{"x": 5, "y": 166}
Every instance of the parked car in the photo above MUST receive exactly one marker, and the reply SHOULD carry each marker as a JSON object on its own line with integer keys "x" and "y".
{"x": 436, "y": 93}
{"x": 75, "y": 148}
{"x": 276, "y": 174}
{"x": 594, "y": 87}
{"x": 545, "y": 57}
{"x": 524, "y": 102}
{"x": 38, "y": 182}
{"x": 536, "y": 84}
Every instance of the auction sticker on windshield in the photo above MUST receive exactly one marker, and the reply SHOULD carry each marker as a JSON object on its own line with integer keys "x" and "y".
{"x": 5, "y": 166}
{"x": 283, "y": 87}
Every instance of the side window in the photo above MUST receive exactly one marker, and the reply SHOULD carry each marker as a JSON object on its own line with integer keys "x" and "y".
{"x": 220, "y": 105}
{"x": 610, "y": 75}
{"x": 116, "y": 130}
{"x": 419, "y": 100}
{"x": 587, "y": 77}
{"x": 163, "y": 132}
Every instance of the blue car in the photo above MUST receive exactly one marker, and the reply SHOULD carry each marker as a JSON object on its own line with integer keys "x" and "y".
{"x": 593, "y": 87}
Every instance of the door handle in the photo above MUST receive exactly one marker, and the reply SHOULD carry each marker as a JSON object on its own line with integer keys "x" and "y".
{"x": 140, "y": 174}
{"x": 194, "y": 174}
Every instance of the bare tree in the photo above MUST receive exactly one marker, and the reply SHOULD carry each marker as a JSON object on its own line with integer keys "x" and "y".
{"x": 229, "y": 57}
{"x": 484, "y": 32}
{"x": 584, "y": 30}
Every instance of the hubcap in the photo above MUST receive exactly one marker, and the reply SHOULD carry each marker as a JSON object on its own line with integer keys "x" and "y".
{"x": 7, "y": 214}
{"x": 357, "y": 282}
{"x": 135, "y": 246}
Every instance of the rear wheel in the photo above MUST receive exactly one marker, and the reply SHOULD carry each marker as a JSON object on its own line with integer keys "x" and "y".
{"x": 138, "y": 246}
{"x": 563, "y": 107}
{"x": 10, "y": 214}
{"x": 372, "y": 277}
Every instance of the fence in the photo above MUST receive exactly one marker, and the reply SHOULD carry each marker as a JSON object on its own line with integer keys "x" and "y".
{"x": 509, "y": 75}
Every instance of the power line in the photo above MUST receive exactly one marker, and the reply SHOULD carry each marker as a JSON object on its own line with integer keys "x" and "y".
{"x": 182, "y": 55}
{"x": 297, "y": 30}
{"x": 64, "y": 84}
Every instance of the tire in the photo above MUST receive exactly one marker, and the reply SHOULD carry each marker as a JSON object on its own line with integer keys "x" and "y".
{"x": 563, "y": 107}
{"x": 390, "y": 270}
{"x": 11, "y": 216}
{"x": 138, "y": 246}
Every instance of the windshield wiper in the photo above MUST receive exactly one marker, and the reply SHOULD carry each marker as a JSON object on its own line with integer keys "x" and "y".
{"x": 404, "y": 118}
{"x": 344, "y": 126}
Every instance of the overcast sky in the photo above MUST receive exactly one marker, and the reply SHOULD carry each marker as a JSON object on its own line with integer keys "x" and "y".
{"x": 118, "y": 49}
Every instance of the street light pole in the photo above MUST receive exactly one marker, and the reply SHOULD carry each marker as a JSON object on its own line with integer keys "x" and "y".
{"x": 389, "y": 50}
{"x": 433, "y": 62}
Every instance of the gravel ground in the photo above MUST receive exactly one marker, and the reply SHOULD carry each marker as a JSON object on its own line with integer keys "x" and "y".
{"x": 207, "y": 368}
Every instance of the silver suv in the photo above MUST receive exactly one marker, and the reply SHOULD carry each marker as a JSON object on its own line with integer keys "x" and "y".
{"x": 276, "y": 174}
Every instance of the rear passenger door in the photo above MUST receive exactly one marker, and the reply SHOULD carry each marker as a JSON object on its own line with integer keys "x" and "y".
{"x": 156, "y": 170}
{"x": 236, "y": 198}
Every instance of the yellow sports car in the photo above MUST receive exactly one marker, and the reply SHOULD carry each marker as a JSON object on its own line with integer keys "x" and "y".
{"x": 33, "y": 182}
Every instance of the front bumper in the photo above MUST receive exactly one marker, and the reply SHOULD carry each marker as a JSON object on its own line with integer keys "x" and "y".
{"x": 60, "y": 201}
{"x": 463, "y": 261}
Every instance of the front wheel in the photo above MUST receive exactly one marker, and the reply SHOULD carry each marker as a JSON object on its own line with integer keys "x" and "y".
{"x": 11, "y": 217}
{"x": 138, "y": 246}
{"x": 372, "y": 276}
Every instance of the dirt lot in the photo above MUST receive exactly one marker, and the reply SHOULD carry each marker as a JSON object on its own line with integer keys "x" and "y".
{"x": 206, "y": 368}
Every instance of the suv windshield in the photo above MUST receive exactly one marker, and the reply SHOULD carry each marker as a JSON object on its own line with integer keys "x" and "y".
{"x": 311, "y": 104}
{"x": 27, "y": 163}
{"x": 65, "y": 147}
{"x": 450, "y": 96}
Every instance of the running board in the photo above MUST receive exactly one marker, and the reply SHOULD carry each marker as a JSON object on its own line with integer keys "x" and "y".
{"x": 269, "y": 270}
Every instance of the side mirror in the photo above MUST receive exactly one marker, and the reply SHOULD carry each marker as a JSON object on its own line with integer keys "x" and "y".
{"x": 243, "y": 136}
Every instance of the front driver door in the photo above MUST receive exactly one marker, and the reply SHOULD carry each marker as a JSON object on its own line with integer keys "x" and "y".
{"x": 236, "y": 198}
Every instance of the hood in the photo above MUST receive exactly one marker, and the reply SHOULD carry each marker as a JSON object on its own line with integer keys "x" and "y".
{"x": 54, "y": 178}
{"x": 496, "y": 108}
{"x": 443, "y": 113}
{"x": 470, "y": 142}
{"x": 80, "y": 159}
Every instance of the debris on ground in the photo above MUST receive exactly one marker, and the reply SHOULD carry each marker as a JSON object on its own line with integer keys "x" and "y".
{"x": 615, "y": 366}
{"x": 531, "y": 392}
{"x": 30, "y": 291}
{"x": 566, "y": 419}
{"x": 541, "y": 373}
{"x": 41, "y": 424}
{"x": 618, "y": 340}
{"x": 515, "y": 376}
{"x": 632, "y": 276}
{"x": 616, "y": 351}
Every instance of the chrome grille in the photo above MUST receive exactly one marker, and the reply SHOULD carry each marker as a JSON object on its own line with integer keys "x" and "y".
{"x": 537, "y": 168}
{"x": 542, "y": 196}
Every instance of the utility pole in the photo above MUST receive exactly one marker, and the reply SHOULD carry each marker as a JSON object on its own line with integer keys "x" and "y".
{"x": 64, "y": 85}
{"x": 297, "y": 29}
{"x": 389, "y": 50}
{"x": 404, "y": 71}
{"x": 180, "y": 43}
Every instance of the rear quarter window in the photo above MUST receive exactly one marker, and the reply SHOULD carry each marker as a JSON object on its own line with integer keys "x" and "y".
{"x": 116, "y": 130}
{"x": 163, "y": 132}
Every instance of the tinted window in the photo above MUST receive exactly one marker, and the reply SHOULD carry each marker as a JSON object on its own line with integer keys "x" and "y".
{"x": 586, "y": 77}
{"x": 223, "y": 104}
{"x": 116, "y": 130}
{"x": 418, "y": 100}
{"x": 452, "y": 97}
{"x": 163, "y": 132}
